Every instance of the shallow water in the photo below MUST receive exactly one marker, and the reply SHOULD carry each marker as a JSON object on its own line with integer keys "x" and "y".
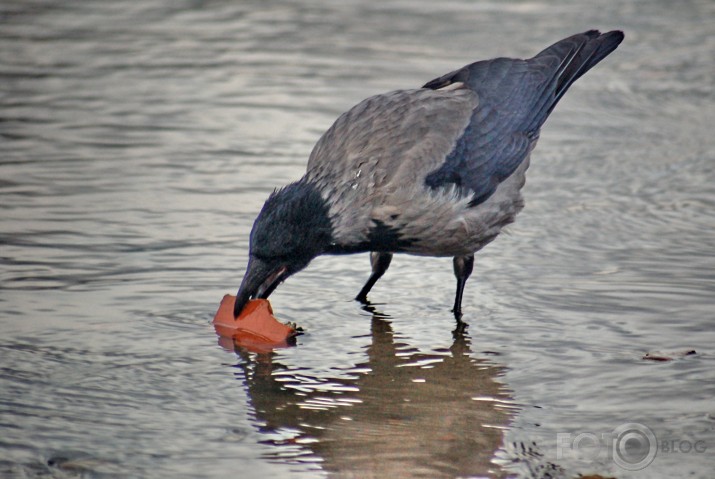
{"x": 139, "y": 139}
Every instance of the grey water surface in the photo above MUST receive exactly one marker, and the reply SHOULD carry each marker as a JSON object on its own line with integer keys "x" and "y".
{"x": 138, "y": 141}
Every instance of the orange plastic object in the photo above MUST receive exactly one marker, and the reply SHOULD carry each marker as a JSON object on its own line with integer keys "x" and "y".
{"x": 256, "y": 328}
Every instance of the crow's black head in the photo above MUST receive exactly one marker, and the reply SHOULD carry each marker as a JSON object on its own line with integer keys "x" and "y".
{"x": 292, "y": 228}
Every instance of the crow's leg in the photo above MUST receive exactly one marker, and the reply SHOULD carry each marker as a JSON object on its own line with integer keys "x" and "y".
{"x": 463, "y": 266}
{"x": 380, "y": 262}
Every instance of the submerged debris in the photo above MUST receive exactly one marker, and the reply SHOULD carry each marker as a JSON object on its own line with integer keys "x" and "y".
{"x": 660, "y": 356}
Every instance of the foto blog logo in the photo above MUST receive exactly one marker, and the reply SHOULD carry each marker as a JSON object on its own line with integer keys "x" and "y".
{"x": 631, "y": 446}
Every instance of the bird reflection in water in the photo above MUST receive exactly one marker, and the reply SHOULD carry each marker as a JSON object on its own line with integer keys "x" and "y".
{"x": 401, "y": 413}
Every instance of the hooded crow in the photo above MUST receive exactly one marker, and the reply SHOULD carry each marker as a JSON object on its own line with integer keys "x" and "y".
{"x": 432, "y": 171}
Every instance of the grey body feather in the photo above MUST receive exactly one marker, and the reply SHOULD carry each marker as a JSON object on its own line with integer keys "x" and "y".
{"x": 371, "y": 164}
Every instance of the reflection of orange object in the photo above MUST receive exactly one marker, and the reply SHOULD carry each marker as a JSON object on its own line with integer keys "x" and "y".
{"x": 255, "y": 329}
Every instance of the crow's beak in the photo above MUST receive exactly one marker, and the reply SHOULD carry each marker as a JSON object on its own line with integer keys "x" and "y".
{"x": 259, "y": 281}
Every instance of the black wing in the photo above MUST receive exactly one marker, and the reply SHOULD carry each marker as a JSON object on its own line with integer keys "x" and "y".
{"x": 515, "y": 98}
